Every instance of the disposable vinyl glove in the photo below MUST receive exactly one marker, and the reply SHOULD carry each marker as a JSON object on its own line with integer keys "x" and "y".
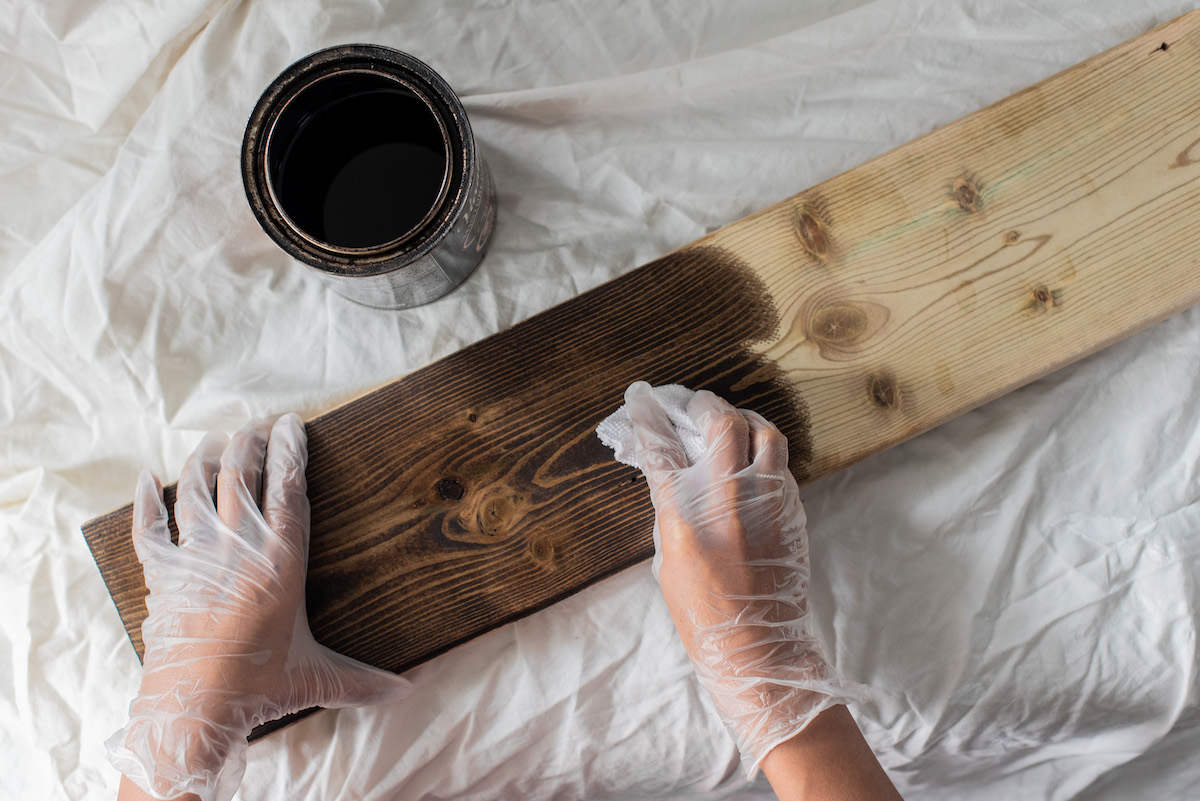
{"x": 227, "y": 642}
{"x": 731, "y": 555}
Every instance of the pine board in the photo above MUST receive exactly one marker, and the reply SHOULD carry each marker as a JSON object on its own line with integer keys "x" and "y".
{"x": 856, "y": 314}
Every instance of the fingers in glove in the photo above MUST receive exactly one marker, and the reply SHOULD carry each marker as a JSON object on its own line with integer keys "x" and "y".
{"x": 656, "y": 445}
{"x": 150, "y": 532}
{"x": 726, "y": 432}
{"x": 768, "y": 445}
{"x": 285, "y": 490}
{"x": 195, "y": 505}
{"x": 239, "y": 484}
{"x": 770, "y": 463}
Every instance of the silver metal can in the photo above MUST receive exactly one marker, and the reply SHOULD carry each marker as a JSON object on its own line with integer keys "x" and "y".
{"x": 359, "y": 161}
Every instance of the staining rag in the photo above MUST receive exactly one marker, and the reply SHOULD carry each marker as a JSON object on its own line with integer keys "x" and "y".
{"x": 616, "y": 432}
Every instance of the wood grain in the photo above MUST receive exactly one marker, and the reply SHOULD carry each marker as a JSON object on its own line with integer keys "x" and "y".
{"x": 990, "y": 252}
{"x": 857, "y": 314}
{"x": 475, "y": 490}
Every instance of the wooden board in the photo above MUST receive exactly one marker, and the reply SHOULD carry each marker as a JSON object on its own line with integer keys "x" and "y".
{"x": 857, "y": 314}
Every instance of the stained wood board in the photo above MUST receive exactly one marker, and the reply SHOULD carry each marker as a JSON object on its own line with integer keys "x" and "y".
{"x": 856, "y": 314}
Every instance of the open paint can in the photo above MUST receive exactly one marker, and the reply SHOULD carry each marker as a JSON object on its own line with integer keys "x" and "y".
{"x": 359, "y": 162}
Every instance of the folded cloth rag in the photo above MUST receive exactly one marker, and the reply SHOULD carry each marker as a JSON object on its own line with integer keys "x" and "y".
{"x": 616, "y": 432}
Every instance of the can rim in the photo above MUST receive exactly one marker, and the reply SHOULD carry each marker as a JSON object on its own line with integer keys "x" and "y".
{"x": 423, "y": 81}
{"x": 442, "y": 192}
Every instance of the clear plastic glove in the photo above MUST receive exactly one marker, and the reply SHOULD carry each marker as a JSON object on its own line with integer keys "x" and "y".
{"x": 731, "y": 554}
{"x": 227, "y": 642}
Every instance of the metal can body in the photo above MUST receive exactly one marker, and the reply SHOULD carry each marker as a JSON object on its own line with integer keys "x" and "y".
{"x": 359, "y": 161}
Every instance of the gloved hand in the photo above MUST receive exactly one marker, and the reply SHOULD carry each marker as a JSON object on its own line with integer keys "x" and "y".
{"x": 227, "y": 642}
{"x": 731, "y": 554}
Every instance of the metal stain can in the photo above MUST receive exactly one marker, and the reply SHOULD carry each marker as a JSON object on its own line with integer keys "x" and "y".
{"x": 359, "y": 161}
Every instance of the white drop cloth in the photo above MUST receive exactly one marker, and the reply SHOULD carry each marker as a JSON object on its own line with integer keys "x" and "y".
{"x": 1019, "y": 587}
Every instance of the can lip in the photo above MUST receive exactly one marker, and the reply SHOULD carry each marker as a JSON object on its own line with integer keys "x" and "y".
{"x": 443, "y": 190}
{"x": 339, "y": 60}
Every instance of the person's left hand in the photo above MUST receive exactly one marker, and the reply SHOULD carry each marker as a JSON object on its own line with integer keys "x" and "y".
{"x": 227, "y": 642}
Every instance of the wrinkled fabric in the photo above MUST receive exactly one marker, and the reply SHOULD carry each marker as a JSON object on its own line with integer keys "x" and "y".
{"x": 1016, "y": 587}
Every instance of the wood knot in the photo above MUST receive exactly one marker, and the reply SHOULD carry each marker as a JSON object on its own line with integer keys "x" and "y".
{"x": 838, "y": 323}
{"x": 811, "y": 224}
{"x": 1044, "y": 299}
{"x": 498, "y": 514}
{"x": 967, "y": 194}
{"x": 884, "y": 391}
{"x": 472, "y": 418}
{"x": 840, "y": 328}
{"x": 1012, "y": 237}
{"x": 485, "y": 517}
{"x": 1185, "y": 157}
{"x": 542, "y": 551}
{"x": 450, "y": 490}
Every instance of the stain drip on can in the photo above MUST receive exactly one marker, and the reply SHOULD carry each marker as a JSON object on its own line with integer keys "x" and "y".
{"x": 359, "y": 161}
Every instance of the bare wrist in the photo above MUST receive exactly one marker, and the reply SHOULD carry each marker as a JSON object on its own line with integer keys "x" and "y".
{"x": 830, "y": 760}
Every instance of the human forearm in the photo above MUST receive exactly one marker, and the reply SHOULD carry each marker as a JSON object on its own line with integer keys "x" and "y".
{"x": 829, "y": 760}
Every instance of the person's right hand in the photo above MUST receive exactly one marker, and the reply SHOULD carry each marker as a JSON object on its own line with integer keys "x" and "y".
{"x": 731, "y": 554}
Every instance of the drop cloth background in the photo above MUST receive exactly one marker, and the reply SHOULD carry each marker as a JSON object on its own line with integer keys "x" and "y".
{"x": 1018, "y": 586}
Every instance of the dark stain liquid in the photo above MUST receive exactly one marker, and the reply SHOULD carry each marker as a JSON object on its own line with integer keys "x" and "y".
{"x": 358, "y": 160}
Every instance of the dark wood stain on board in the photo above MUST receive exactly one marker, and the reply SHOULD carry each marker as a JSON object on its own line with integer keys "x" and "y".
{"x": 474, "y": 491}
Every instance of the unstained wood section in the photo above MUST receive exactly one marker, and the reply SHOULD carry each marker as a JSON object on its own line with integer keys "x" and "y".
{"x": 989, "y": 252}
{"x": 859, "y": 313}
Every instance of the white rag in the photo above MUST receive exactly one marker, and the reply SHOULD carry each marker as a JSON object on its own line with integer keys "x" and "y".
{"x": 616, "y": 431}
